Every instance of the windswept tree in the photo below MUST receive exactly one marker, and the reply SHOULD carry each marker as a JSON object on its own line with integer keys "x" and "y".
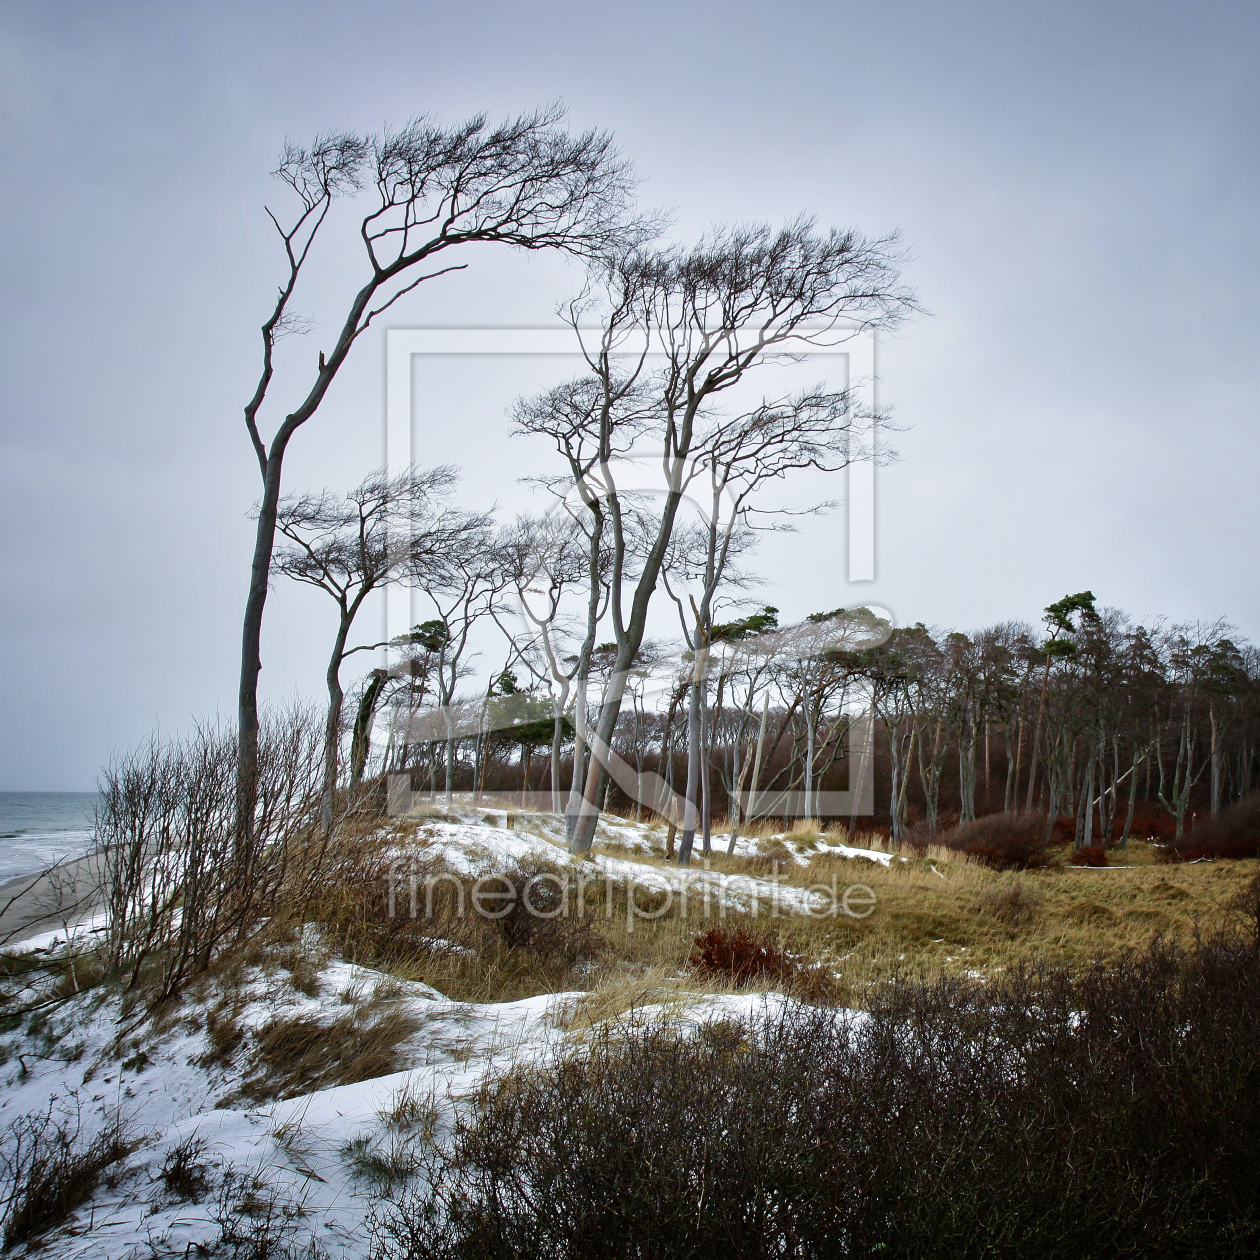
{"x": 736, "y": 459}
{"x": 475, "y": 577}
{"x": 714, "y": 312}
{"x": 387, "y": 529}
{"x": 545, "y": 558}
{"x": 592, "y": 422}
{"x": 429, "y": 190}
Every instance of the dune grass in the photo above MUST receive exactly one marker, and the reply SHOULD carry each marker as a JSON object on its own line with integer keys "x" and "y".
{"x": 935, "y": 913}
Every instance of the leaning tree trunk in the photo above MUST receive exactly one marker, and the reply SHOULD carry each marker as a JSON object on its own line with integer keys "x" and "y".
{"x": 808, "y": 784}
{"x": 557, "y": 738}
{"x": 251, "y": 667}
{"x": 706, "y": 736}
{"x": 361, "y": 741}
{"x": 332, "y": 730}
{"x": 750, "y": 812}
{"x": 577, "y": 780}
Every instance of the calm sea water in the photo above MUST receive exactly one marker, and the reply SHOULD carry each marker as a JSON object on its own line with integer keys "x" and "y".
{"x": 37, "y": 828}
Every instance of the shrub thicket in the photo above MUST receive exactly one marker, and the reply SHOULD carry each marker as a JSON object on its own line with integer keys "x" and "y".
{"x": 1090, "y": 855}
{"x": 181, "y": 881}
{"x": 1233, "y": 833}
{"x": 1006, "y": 842}
{"x": 737, "y": 957}
{"x": 1109, "y": 1113}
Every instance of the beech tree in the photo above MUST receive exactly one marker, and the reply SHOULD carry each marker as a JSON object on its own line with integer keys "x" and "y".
{"x": 385, "y": 530}
{"x": 715, "y": 311}
{"x": 546, "y": 557}
{"x": 430, "y": 190}
{"x": 737, "y": 458}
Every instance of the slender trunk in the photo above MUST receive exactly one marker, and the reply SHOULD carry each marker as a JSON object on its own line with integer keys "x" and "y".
{"x": 905, "y": 780}
{"x": 690, "y": 810}
{"x": 1036, "y": 739}
{"x": 1085, "y": 828}
{"x": 251, "y": 666}
{"x": 480, "y": 749}
{"x": 557, "y": 738}
{"x": 930, "y": 775}
{"x": 1216, "y": 763}
{"x": 577, "y": 779}
{"x": 450, "y": 755}
{"x": 1012, "y": 766}
{"x": 810, "y": 718}
{"x": 751, "y": 811}
{"x": 894, "y": 775}
{"x": 988, "y": 791}
{"x": 706, "y": 775}
{"x": 967, "y": 771}
{"x": 1128, "y": 818}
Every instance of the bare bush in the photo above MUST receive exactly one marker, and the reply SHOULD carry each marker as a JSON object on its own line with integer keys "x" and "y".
{"x": 737, "y": 957}
{"x": 1106, "y": 1113}
{"x": 180, "y": 881}
{"x": 1233, "y": 833}
{"x": 50, "y": 1169}
{"x": 1090, "y": 855}
{"x": 540, "y": 918}
{"x": 1006, "y": 842}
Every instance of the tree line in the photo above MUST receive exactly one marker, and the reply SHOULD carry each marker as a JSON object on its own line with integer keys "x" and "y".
{"x": 1091, "y": 721}
{"x": 1087, "y": 718}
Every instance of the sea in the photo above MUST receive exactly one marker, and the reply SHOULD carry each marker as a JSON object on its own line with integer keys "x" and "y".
{"x": 37, "y": 828}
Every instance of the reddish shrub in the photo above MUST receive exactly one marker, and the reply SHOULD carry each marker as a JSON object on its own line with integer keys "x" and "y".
{"x": 1233, "y": 833}
{"x": 1091, "y": 855}
{"x": 739, "y": 957}
{"x": 1007, "y": 842}
{"x": 1063, "y": 831}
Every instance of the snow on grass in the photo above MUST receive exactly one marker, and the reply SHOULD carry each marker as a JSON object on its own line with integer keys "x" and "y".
{"x": 173, "y": 1084}
{"x": 483, "y": 851}
{"x": 299, "y": 1151}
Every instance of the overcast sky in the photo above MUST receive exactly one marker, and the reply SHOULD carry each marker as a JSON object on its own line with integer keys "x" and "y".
{"x": 1076, "y": 184}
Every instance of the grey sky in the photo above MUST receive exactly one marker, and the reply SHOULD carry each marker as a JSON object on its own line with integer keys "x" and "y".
{"x": 1077, "y": 185}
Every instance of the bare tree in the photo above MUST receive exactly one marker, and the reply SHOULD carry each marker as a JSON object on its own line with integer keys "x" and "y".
{"x": 739, "y": 297}
{"x": 526, "y": 183}
{"x": 546, "y": 557}
{"x": 475, "y": 577}
{"x": 591, "y": 421}
{"x": 817, "y": 429}
{"x": 385, "y": 530}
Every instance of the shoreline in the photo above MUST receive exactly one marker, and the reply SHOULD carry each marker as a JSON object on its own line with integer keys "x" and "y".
{"x": 50, "y": 897}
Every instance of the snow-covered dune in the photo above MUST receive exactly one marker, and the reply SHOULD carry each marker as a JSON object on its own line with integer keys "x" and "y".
{"x": 178, "y": 1083}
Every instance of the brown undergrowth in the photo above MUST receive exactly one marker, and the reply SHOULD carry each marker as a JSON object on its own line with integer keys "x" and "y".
{"x": 937, "y": 912}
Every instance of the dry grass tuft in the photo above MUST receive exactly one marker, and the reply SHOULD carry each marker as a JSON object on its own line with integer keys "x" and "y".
{"x": 1016, "y": 903}
{"x": 50, "y": 1169}
{"x": 622, "y": 993}
{"x": 298, "y": 1054}
{"x": 184, "y": 1171}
